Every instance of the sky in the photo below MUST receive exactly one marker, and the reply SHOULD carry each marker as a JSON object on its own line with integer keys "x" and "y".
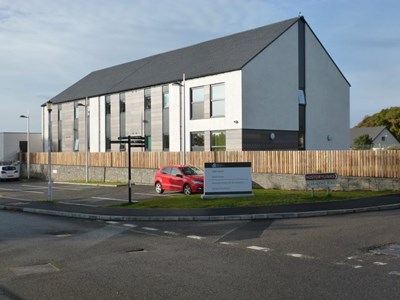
{"x": 48, "y": 45}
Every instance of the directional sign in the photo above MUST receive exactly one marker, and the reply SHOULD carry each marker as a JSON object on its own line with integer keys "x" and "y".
{"x": 133, "y": 142}
{"x": 321, "y": 180}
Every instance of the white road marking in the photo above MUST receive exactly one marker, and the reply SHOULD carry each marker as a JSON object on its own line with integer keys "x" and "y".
{"x": 394, "y": 273}
{"x": 112, "y": 222}
{"x": 150, "y": 228}
{"x": 258, "y": 248}
{"x": 113, "y": 199}
{"x": 228, "y": 243}
{"x": 35, "y": 187}
{"x": 171, "y": 233}
{"x": 298, "y": 255}
{"x": 196, "y": 237}
{"x": 357, "y": 267}
{"x": 378, "y": 263}
{"x": 21, "y": 191}
{"x": 130, "y": 225}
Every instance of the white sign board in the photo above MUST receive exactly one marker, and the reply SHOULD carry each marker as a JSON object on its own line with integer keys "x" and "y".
{"x": 222, "y": 179}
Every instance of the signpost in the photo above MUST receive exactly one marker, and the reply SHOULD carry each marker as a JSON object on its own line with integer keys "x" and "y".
{"x": 321, "y": 180}
{"x": 133, "y": 142}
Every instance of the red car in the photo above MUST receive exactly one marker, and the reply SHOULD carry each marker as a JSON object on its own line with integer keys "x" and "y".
{"x": 186, "y": 179}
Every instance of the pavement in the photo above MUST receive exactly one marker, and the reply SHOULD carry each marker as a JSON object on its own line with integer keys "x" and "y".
{"x": 206, "y": 214}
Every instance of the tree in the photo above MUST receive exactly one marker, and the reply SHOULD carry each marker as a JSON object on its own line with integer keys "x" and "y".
{"x": 389, "y": 117}
{"x": 363, "y": 142}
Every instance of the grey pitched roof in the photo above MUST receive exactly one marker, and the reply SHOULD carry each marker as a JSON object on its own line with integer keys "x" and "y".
{"x": 373, "y": 132}
{"x": 221, "y": 55}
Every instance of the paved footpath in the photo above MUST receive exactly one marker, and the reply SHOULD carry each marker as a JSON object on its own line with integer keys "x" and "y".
{"x": 206, "y": 214}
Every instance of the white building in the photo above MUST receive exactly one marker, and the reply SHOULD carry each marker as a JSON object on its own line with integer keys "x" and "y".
{"x": 12, "y": 143}
{"x": 270, "y": 88}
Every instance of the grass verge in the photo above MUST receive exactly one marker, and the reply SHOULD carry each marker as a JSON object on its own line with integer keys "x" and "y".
{"x": 261, "y": 198}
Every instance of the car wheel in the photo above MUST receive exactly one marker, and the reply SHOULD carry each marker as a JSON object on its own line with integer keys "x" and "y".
{"x": 159, "y": 188}
{"x": 186, "y": 189}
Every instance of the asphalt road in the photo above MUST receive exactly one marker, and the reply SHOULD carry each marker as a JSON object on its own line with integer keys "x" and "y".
{"x": 91, "y": 195}
{"x": 334, "y": 257}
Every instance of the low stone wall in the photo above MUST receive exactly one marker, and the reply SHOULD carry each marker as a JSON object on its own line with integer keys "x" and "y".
{"x": 297, "y": 182}
{"x": 262, "y": 180}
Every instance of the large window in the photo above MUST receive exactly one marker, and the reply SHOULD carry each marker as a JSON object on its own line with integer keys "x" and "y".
{"x": 197, "y": 141}
{"x": 76, "y": 127}
{"x": 165, "y": 117}
{"x": 147, "y": 119}
{"x": 122, "y": 120}
{"x": 218, "y": 100}
{"x": 60, "y": 116}
{"x": 218, "y": 141}
{"x": 302, "y": 119}
{"x": 197, "y": 103}
{"x": 108, "y": 123}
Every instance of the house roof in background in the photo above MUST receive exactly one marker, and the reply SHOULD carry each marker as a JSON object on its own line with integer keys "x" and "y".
{"x": 216, "y": 56}
{"x": 373, "y": 132}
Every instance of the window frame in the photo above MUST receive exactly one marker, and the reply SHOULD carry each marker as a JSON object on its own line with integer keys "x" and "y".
{"x": 215, "y": 101}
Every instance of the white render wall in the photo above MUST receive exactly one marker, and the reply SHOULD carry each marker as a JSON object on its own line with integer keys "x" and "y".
{"x": 9, "y": 144}
{"x": 328, "y": 100}
{"x": 270, "y": 85}
{"x": 233, "y": 106}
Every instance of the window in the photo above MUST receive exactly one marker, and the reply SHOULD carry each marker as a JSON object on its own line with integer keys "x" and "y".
{"x": 108, "y": 105}
{"x": 218, "y": 100}
{"x": 122, "y": 122}
{"x": 165, "y": 95}
{"x": 147, "y": 142}
{"x": 108, "y": 122}
{"x": 301, "y": 97}
{"x": 165, "y": 117}
{"x": 197, "y": 103}
{"x": 122, "y": 106}
{"x": 147, "y": 119}
{"x": 302, "y": 119}
{"x": 147, "y": 99}
{"x": 197, "y": 141}
{"x": 218, "y": 141}
{"x": 76, "y": 127}
{"x": 59, "y": 142}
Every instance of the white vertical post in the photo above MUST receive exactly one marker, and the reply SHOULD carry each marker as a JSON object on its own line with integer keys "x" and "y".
{"x": 86, "y": 142}
{"x": 49, "y": 137}
{"x": 184, "y": 120}
{"x": 28, "y": 141}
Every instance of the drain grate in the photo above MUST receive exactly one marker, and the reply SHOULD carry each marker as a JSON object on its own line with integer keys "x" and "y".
{"x": 390, "y": 249}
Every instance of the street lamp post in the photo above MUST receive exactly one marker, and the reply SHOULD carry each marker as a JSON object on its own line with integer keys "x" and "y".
{"x": 182, "y": 118}
{"x": 27, "y": 144}
{"x": 49, "y": 139}
{"x": 86, "y": 141}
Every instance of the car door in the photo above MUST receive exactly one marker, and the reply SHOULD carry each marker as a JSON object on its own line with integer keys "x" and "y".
{"x": 176, "y": 179}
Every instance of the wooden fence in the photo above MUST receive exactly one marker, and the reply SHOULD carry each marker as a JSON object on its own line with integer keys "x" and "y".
{"x": 353, "y": 163}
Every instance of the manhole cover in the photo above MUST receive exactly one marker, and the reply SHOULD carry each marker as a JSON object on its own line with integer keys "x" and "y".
{"x": 391, "y": 249}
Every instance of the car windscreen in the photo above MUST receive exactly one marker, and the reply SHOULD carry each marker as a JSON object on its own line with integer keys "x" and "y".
{"x": 192, "y": 171}
{"x": 9, "y": 168}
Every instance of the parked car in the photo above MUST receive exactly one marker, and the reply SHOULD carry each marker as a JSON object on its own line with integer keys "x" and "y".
{"x": 9, "y": 172}
{"x": 187, "y": 179}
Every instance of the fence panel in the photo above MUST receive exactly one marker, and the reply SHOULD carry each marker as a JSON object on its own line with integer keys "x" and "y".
{"x": 345, "y": 163}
